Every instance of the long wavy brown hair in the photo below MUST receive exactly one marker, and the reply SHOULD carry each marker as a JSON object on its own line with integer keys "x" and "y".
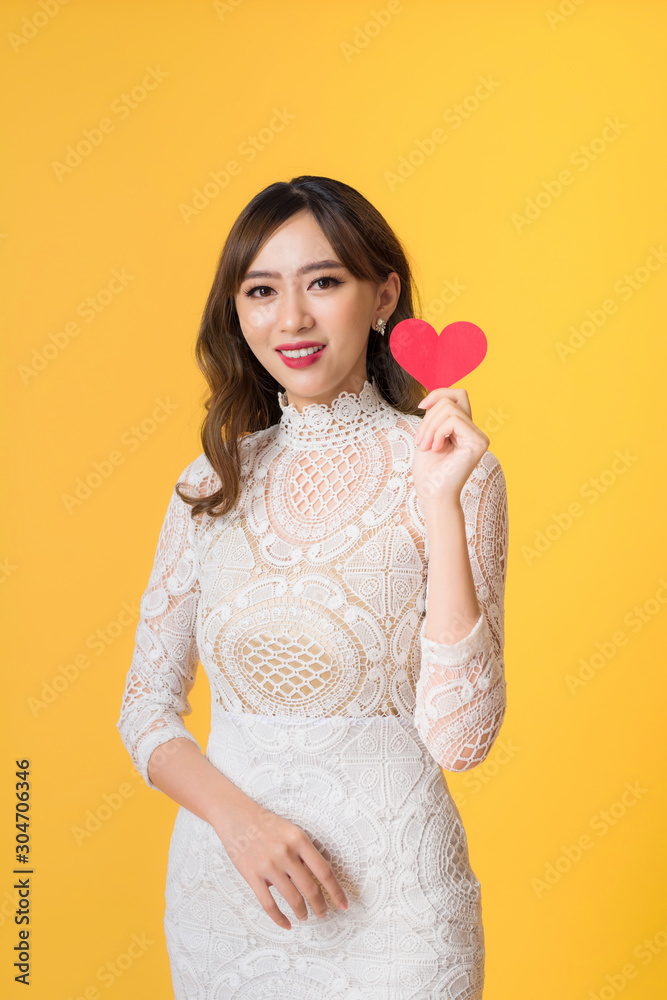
{"x": 243, "y": 395}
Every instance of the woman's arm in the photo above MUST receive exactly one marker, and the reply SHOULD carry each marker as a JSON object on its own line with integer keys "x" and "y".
{"x": 180, "y": 770}
{"x": 461, "y": 690}
{"x": 265, "y": 848}
{"x": 165, "y": 658}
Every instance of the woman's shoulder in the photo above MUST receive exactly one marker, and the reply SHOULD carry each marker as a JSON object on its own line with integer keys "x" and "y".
{"x": 199, "y": 474}
{"x": 199, "y": 478}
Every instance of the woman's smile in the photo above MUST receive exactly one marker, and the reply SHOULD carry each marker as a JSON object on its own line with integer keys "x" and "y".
{"x": 300, "y": 357}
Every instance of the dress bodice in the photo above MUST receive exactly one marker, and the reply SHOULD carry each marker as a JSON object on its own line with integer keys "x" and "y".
{"x": 308, "y": 599}
{"x": 312, "y": 593}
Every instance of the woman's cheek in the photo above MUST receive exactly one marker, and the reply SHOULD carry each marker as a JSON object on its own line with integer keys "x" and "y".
{"x": 258, "y": 319}
{"x": 256, "y": 326}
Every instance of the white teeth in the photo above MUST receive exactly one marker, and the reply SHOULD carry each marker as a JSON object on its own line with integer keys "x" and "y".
{"x": 300, "y": 354}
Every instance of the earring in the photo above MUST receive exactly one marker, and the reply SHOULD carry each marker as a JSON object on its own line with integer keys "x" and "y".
{"x": 380, "y": 325}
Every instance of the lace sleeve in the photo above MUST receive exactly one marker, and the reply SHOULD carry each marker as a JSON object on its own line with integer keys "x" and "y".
{"x": 461, "y": 689}
{"x": 165, "y": 657}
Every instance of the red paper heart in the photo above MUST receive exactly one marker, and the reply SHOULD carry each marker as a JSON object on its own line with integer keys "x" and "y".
{"x": 437, "y": 360}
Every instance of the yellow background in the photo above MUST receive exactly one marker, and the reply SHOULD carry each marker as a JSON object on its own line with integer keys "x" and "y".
{"x": 556, "y": 422}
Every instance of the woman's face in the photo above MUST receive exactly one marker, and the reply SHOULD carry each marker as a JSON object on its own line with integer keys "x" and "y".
{"x": 306, "y": 297}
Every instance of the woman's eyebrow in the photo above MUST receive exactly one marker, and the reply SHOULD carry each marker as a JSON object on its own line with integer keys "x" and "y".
{"x": 316, "y": 266}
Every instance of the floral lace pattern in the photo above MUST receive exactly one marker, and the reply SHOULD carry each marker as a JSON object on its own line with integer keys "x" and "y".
{"x": 368, "y": 796}
{"x": 306, "y": 605}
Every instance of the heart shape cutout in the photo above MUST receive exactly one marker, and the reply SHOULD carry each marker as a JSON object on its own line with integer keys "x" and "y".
{"x": 437, "y": 360}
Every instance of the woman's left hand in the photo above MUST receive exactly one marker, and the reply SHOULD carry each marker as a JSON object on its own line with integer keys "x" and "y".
{"x": 448, "y": 446}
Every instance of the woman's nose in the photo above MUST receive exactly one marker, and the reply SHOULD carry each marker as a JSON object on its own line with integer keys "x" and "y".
{"x": 293, "y": 311}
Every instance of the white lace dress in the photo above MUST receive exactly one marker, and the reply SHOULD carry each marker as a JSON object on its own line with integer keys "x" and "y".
{"x": 306, "y": 606}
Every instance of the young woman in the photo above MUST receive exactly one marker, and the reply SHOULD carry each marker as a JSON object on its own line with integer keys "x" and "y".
{"x": 336, "y": 557}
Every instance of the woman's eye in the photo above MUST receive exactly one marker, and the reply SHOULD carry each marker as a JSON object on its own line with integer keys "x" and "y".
{"x": 267, "y": 288}
{"x": 327, "y": 277}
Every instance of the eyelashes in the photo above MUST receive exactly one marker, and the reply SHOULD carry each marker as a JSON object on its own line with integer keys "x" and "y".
{"x": 323, "y": 277}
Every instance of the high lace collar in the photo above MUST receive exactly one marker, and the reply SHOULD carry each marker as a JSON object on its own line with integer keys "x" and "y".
{"x": 349, "y": 416}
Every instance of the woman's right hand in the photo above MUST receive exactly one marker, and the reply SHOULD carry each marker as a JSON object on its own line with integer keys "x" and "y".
{"x": 265, "y": 848}
{"x": 270, "y": 850}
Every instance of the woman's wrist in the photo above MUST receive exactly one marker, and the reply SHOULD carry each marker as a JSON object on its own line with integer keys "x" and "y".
{"x": 442, "y": 511}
